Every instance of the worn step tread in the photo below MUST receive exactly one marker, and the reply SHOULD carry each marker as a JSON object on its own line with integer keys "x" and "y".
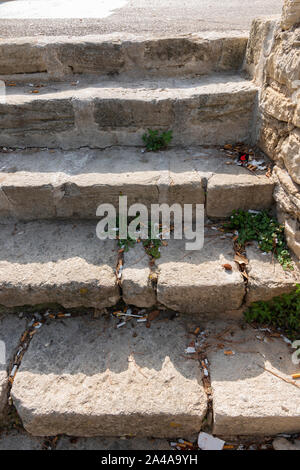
{"x": 196, "y": 283}
{"x": 140, "y": 89}
{"x": 61, "y": 263}
{"x": 64, "y": 263}
{"x": 211, "y": 110}
{"x": 124, "y": 53}
{"x": 247, "y": 398}
{"x": 53, "y": 183}
{"x": 84, "y": 377}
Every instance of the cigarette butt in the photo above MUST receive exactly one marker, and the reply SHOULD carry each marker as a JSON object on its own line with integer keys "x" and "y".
{"x": 121, "y": 324}
{"x": 24, "y": 336}
{"x": 51, "y": 315}
{"x": 196, "y": 331}
{"x": 13, "y": 371}
{"x": 228, "y": 447}
{"x": 296, "y": 376}
{"x": 181, "y": 446}
{"x": 229, "y": 353}
{"x": 186, "y": 443}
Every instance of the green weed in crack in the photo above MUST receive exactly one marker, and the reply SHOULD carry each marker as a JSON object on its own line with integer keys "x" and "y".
{"x": 151, "y": 244}
{"x": 261, "y": 227}
{"x": 281, "y": 312}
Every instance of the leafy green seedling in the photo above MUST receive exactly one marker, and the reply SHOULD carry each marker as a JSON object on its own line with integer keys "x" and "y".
{"x": 155, "y": 141}
{"x": 281, "y": 312}
{"x": 264, "y": 229}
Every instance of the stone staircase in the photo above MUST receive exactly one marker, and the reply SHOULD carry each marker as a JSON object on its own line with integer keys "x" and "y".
{"x": 71, "y": 135}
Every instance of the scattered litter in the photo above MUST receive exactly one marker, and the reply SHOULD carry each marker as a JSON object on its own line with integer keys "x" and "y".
{"x": 190, "y": 350}
{"x": 296, "y": 376}
{"x": 120, "y": 272}
{"x": 229, "y": 353}
{"x": 286, "y": 340}
{"x": 208, "y": 442}
{"x": 13, "y": 371}
{"x": 251, "y": 211}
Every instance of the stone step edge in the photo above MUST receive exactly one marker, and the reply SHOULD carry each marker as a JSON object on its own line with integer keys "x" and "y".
{"x": 132, "y": 277}
{"x": 108, "y": 54}
{"x": 226, "y": 423}
{"x": 45, "y": 185}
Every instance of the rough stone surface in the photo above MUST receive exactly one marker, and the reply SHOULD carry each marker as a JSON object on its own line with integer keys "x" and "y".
{"x": 39, "y": 184}
{"x": 100, "y": 443}
{"x": 121, "y": 53}
{"x": 59, "y": 262}
{"x": 280, "y": 443}
{"x": 267, "y": 278}
{"x": 212, "y": 110}
{"x": 11, "y": 329}
{"x": 84, "y": 377}
{"x": 226, "y": 193}
{"x": 292, "y": 232}
{"x": 19, "y": 440}
{"x": 137, "y": 288}
{"x": 248, "y": 400}
{"x": 195, "y": 281}
{"x": 290, "y": 13}
{"x": 273, "y": 60}
{"x": 291, "y": 155}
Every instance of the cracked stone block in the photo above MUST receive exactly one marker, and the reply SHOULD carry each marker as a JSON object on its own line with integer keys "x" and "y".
{"x": 84, "y": 377}
{"x": 137, "y": 288}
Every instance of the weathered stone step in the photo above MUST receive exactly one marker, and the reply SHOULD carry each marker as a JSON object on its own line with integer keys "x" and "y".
{"x": 250, "y": 389}
{"x": 195, "y": 282}
{"x": 60, "y": 263}
{"x": 84, "y": 377}
{"x": 37, "y": 184}
{"x": 119, "y": 53}
{"x": 211, "y": 110}
{"x": 64, "y": 263}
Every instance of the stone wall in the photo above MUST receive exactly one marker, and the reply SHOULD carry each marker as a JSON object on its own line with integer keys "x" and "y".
{"x": 273, "y": 60}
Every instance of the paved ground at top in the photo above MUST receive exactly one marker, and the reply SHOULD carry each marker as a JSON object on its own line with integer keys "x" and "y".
{"x": 21, "y": 17}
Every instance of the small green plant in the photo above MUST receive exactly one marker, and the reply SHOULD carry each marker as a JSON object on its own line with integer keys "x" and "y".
{"x": 264, "y": 229}
{"x": 281, "y": 312}
{"x": 152, "y": 247}
{"x": 151, "y": 244}
{"x": 155, "y": 141}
